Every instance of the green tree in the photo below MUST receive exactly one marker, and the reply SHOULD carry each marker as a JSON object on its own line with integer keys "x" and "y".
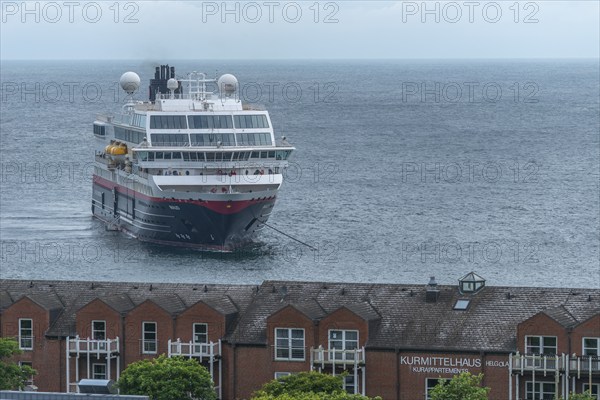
{"x": 12, "y": 375}
{"x": 314, "y": 396}
{"x": 165, "y": 378}
{"x": 307, "y": 386}
{"x": 587, "y": 395}
{"x": 303, "y": 382}
{"x": 461, "y": 387}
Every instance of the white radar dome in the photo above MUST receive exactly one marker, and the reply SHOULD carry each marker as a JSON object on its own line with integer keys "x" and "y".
{"x": 172, "y": 84}
{"x": 130, "y": 82}
{"x": 228, "y": 84}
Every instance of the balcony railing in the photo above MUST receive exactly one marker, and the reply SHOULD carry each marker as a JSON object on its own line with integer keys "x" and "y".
{"x": 555, "y": 364}
{"x": 93, "y": 346}
{"x": 337, "y": 357}
{"x": 209, "y": 350}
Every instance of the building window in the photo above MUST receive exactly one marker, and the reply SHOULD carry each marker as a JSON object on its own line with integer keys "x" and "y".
{"x": 430, "y": 383}
{"x": 149, "y": 337}
{"x": 99, "y": 330}
{"x": 539, "y": 390}
{"x": 591, "y": 346}
{"x": 200, "y": 337}
{"x": 349, "y": 384}
{"x": 344, "y": 340}
{"x": 594, "y": 389}
{"x": 289, "y": 344}
{"x": 543, "y": 345}
{"x": 281, "y": 374}
{"x": 29, "y": 381}
{"x": 99, "y": 371}
{"x": 26, "y": 334}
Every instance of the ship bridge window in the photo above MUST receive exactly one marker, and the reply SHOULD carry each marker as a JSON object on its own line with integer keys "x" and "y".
{"x": 282, "y": 154}
{"x": 99, "y": 130}
{"x": 168, "y": 122}
{"x": 169, "y": 139}
{"x": 251, "y": 121}
{"x": 139, "y": 120}
{"x": 252, "y": 139}
{"x": 129, "y": 135}
{"x": 211, "y": 139}
{"x": 210, "y": 122}
{"x": 193, "y": 156}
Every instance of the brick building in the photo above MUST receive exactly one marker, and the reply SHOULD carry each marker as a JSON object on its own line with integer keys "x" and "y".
{"x": 394, "y": 340}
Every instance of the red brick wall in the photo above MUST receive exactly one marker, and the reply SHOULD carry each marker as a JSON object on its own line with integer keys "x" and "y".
{"x": 252, "y": 369}
{"x": 147, "y": 311}
{"x": 97, "y": 310}
{"x": 416, "y": 367}
{"x": 381, "y": 374}
{"x": 199, "y": 313}
{"x": 542, "y": 325}
{"x": 343, "y": 319}
{"x": 46, "y": 354}
{"x": 589, "y": 328}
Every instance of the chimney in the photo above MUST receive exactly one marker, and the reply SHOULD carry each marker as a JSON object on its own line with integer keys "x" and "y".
{"x": 432, "y": 292}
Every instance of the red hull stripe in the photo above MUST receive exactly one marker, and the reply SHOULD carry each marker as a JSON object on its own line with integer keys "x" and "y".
{"x": 221, "y": 207}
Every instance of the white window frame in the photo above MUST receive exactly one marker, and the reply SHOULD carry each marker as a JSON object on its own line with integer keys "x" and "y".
{"x": 584, "y": 349}
{"x": 541, "y": 346}
{"x": 290, "y": 347}
{"x": 199, "y": 346}
{"x": 586, "y": 386}
{"x": 540, "y": 393}
{"x": 94, "y": 331}
{"x": 342, "y": 356}
{"x": 29, "y": 381}
{"x": 94, "y": 365}
{"x": 23, "y": 338}
{"x": 144, "y": 340}
{"x": 281, "y": 374}
{"x": 428, "y": 388}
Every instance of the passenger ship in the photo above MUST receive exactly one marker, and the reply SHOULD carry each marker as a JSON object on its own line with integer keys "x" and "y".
{"x": 196, "y": 169}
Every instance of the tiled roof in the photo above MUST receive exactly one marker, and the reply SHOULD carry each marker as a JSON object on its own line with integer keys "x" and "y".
{"x": 5, "y": 299}
{"x": 222, "y": 304}
{"x": 118, "y": 302}
{"x": 75, "y": 295}
{"x": 561, "y": 315}
{"x": 403, "y": 318}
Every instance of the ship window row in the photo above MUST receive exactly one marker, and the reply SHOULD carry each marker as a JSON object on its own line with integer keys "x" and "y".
{"x": 139, "y": 120}
{"x": 170, "y": 139}
{"x": 168, "y": 122}
{"x": 251, "y": 139}
{"x": 129, "y": 135}
{"x": 210, "y": 139}
{"x": 210, "y": 122}
{"x": 251, "y": 121}
{"x": 211, "y": 156}
{"x": 257, "y": 121}
{"x": 99, "y": 130}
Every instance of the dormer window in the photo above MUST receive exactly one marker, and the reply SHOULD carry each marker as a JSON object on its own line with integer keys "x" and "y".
{"x": 471, "y": 283}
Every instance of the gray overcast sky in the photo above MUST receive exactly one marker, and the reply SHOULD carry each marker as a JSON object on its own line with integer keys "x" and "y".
{"x": 300, "y": 30}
